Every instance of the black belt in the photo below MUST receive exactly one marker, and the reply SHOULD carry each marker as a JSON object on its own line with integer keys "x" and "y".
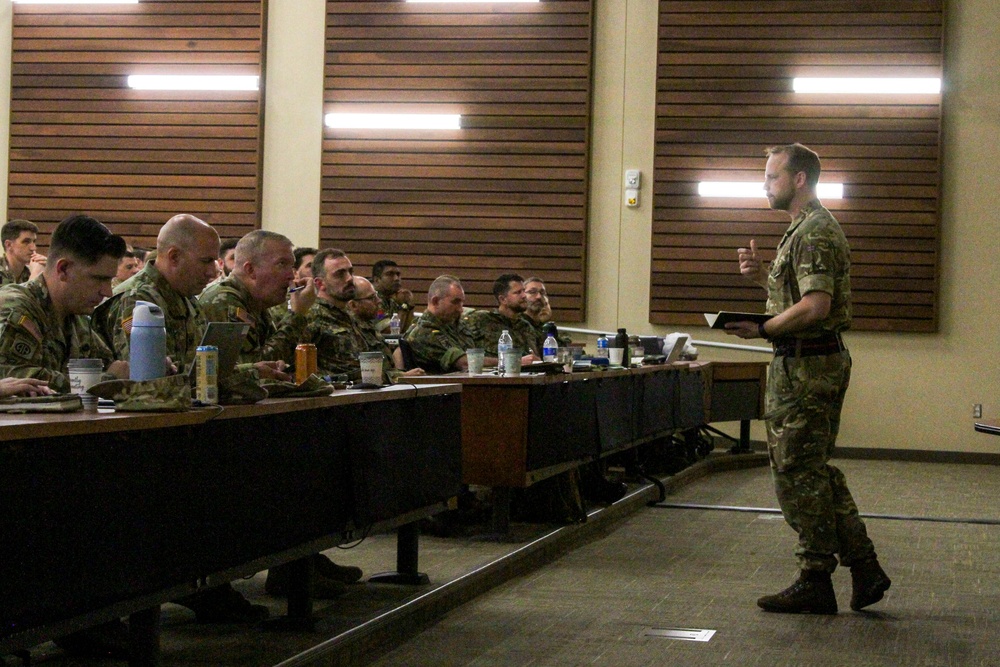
{"x": 808, "y": 347}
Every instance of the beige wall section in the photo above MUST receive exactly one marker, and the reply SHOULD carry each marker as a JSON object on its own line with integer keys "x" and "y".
{"x": 5, "y": 46}
{"x": 908, "y": 391}
{"x": 293, "y": 119}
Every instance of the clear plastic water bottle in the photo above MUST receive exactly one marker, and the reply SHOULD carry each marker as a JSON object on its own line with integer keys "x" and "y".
{"x": 602, "y": 347}
{"x": 504, "y": 344}
{"x": 550, "y": 348}
{"x": 394, "y": 324}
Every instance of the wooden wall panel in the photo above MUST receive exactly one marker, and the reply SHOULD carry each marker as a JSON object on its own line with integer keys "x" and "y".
{"x": 82, "y": 141}
{"x": 724, "y": 94}
{"x": 507, "y": 192}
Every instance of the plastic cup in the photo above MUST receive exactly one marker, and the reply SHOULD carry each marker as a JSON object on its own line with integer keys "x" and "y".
{"x": 371, "y": 367}
{"x": 511, "y": 363}
{"x": 615, "y": 355}
{"x": 84, "y": 374}
{"x": 475, "y": 356}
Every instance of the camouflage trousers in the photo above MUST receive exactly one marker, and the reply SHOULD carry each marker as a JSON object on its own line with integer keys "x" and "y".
{"x": 803, "y": 403}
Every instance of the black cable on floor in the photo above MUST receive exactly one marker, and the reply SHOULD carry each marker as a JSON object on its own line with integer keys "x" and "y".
{"x": 771, "y": 510}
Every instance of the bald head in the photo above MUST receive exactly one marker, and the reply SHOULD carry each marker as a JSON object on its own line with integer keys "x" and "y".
{"x": 186, "y": 252}
{"x": 183, "y": 231}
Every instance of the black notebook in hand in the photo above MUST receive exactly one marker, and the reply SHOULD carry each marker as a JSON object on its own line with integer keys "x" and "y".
{"x": 720, "y": 319}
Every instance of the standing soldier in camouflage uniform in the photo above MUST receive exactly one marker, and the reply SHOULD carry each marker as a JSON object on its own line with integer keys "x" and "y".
{"x": 364, "y": 309}
{"x": 331, "y": 328}
{"x": 186, "y": 251}
{"x": 511, "y": 304}
{"x": 43, "y": 323}
{"x": 263, "y": 273}
{"x": 809, "y": 295}
{"x": 20, "y": 262}
{"x": 440, "y": 337}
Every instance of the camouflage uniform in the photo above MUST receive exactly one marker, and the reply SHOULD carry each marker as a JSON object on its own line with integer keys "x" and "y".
{"x": 487, "y": 325}
{"x": 437, "y": 346}
{"x": 6, "y": 277}
{"x": 183, "y": 318}
{"x": 387, "y": 306}
{"x": 279, "y": 313}
{"x": 33, "y": 343}
{"x": 229, "y": 301}
{"x": 563, "y": 339}
{"x": 338, "y": 341}
{"x": 805, "y": 395}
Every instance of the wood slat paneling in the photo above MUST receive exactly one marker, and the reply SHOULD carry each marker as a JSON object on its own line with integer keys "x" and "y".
{"x": 507, "y": 192}
{"x": 724, "y": 94}
{"x": 82, "y": 141}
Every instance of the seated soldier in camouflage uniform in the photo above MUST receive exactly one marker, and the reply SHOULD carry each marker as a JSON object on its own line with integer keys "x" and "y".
{"x": 263, "y": 273}
{"x": 393, "y": 299}
{"x": 43, "y": 323}
{"x": 439, "y": 338}
{"x": 186, "y": 248}
{"x": 303, "y": 269}
{"x": 186, "y": 251}
{"x": 539, "y": 313}
{"x": 364, "y": 308}
{"x": 20, "y": 261}
{"x": 331, "y": 328}
{"x": 487, "y": 325}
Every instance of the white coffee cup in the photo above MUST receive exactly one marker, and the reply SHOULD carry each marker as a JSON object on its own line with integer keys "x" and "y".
{"x": 371, "y": 367}
{"x": 615, "y": 355}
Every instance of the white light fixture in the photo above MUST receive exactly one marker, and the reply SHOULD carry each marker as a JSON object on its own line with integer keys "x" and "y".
{"x": 192, "y": 82}
{"x": 77, "y": 2}
{"x": 393, "y": 121}
{"x": 474, "y": 1}
{"x": 755, "y": 190}
{"x": 867, "y": 86}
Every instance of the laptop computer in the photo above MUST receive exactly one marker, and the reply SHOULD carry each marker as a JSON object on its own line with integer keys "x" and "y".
{"x": 228, "y": 337}
{"x": 677, "y": 349}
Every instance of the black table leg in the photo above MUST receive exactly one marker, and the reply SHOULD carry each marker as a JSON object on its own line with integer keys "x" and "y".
{"x": 299, "y": 614}
{"x": 407, "y": 560}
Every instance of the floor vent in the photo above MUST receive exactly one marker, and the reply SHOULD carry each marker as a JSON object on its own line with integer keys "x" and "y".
{"x": 683, "y": 634}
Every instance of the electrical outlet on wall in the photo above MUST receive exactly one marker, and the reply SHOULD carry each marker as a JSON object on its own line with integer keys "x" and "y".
{"x": 977, "y": 411}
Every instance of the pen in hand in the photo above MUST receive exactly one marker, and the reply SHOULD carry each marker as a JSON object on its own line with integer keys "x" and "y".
{"x": 293, "y": 290}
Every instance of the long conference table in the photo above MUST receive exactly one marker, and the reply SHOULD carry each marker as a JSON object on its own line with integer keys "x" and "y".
{"x": 111, "y": 514}
{"x": 519, "y": 430}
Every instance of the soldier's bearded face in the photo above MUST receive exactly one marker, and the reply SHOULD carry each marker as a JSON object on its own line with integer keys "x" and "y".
{"x": 779, "y": 183}
{"x": 516, "y": 300}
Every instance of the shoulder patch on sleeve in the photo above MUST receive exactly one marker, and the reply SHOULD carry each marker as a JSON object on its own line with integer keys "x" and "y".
{"x": 127, "y": 325}
{"x": 29, "y": 325}
{"x": 24, "y": 347}
{"x": 242, "y": 315}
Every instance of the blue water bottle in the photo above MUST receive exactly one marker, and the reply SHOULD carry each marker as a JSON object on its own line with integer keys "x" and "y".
{"x": 602, "y": 347}
{"x": 147, "y": 343}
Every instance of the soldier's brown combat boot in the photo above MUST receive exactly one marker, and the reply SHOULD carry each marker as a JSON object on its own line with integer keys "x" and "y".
{"x": 812, "y": 593}
{"x": 869, "y": 582}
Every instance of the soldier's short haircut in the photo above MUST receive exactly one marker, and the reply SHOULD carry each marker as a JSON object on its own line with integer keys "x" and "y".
{"x": 533, "y": 279}
{"x": 251, "y": 246}
{"x": 501, "y": 286}
{"x": 12, "y": 230}
{"x": 85, "y": 239}
{"x": 439, "y": 288}
{"x": 801, "y": 159}
{"x": 226, "y": 246}
{"x": 381, "y": 266}
{"x": 300, "y": 254}
{"x": 319, "y": 261}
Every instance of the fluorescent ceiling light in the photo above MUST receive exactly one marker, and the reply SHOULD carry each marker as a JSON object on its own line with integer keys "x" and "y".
{"x": 394, "y": 121}
{"x": 192, "y": 82}
{"x": 903, "y": 86}
{"x": 77, "y": 2}
{"x": 473, "y": 1}
{"x": 754, "y": 190}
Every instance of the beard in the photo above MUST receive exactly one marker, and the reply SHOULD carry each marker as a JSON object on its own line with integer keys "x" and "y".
{"x": 780, "y": 202}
